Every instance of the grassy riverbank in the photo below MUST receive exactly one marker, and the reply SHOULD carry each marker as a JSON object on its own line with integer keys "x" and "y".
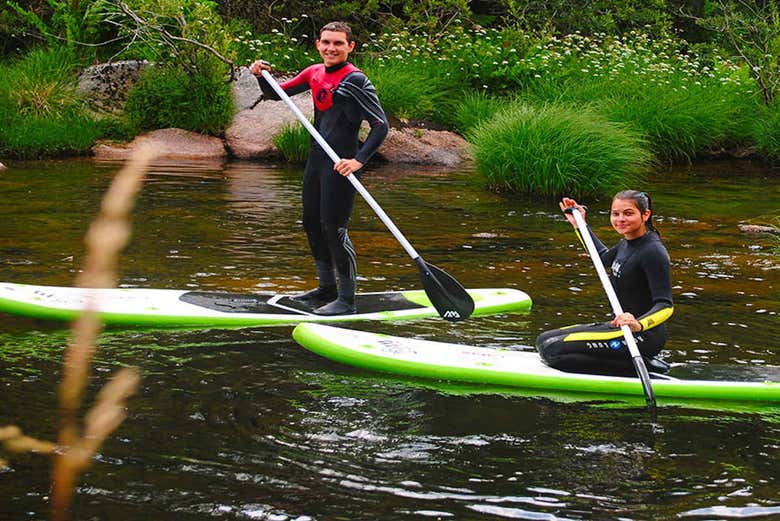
{"x": 544, "y": 113}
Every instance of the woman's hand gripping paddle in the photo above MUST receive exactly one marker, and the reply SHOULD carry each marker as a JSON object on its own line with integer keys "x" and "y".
{"x": 636, "y": 356}
{"x": 445, "y": 293}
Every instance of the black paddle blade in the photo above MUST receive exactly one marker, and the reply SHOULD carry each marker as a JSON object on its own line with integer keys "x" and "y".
{"x": 445, "y": 293}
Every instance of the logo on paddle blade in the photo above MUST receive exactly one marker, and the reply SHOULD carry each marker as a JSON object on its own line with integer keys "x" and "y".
{"x": 451, "y": 313}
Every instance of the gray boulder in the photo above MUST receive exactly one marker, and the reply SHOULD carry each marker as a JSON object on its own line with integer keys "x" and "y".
{"x": 246, "y": 91}
{"x": 250, "y": 135}
{"x": 424, "y": 147}
{"x": 107, "y": 84}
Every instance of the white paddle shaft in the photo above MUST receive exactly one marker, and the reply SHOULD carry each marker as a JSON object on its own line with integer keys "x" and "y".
{"x": 613, "y": 299}
{"x": 335, "y": 158}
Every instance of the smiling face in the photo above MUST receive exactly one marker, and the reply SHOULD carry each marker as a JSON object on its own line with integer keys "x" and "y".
{"x": 334, "y": 47}
{"x": 627, "y": 219}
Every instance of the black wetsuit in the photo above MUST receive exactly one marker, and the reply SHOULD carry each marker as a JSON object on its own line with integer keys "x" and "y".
{"x": 640, "y": 274}
{"x": 343, "y": 97}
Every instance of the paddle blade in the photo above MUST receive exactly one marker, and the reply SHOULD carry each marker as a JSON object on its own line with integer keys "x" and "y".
{"x": 446, "y": 294}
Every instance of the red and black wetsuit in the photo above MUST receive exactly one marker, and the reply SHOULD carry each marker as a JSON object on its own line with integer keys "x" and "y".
{"x": 640, "y": 274}
{"x": 343, "y": 97}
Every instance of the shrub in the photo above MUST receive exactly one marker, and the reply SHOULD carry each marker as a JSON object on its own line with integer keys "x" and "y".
{"x": 557, "y": 149}
{"x": 170, "y": 97}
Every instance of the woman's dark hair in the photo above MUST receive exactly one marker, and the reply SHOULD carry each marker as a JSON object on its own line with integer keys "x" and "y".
{"x": 339, "y": 27}
{"x": 643, "y": 202}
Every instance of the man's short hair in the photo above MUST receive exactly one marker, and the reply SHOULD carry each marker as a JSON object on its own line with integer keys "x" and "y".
{"x": 340, "y": 27}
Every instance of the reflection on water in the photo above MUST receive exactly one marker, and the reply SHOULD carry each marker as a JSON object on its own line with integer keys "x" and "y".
{"x": 244, "y": 424}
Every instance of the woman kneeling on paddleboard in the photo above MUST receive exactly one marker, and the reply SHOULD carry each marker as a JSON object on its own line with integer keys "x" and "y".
{"x": 640, "y": 274}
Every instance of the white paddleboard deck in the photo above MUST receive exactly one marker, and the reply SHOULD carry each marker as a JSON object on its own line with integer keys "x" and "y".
{"x": 172, "y": 308}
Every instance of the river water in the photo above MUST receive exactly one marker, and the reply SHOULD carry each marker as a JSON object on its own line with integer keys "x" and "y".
{"x": 245, "y": 424}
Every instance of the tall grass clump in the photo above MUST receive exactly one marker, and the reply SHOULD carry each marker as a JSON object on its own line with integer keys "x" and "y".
{"x": 681, "y": 123}
{"x": 557, "y": 149}
{"x": 41, "y": 112}
{"x": 293, "y": 143}
{"x": 410, "y": 91}
{"x": 475, "y": 108}
{"x": 766, "y": 133}
{"x": 167, "y": 97}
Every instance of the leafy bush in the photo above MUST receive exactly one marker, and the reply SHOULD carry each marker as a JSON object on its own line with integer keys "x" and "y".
{"x": 557, "y": 149}
{"x": 170, "y": 97}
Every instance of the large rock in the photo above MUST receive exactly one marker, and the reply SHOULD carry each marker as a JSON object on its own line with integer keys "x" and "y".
{"x": 172, "y": 143}
{"x": 107, "y": 84}
{"x": 246, "y": 91}
{"x": 3, "y": 167}
{"x": 422, "y": 146}
{"x": 250, "y": 135}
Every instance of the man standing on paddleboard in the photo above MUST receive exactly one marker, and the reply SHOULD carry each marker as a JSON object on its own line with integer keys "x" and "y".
{"x": 343, "y": 97}
{"x": 641, "y": 277}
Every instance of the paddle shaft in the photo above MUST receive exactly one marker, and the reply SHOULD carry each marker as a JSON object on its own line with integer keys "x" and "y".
{"x": 335, "y": 158}
{"x": 636, "y": 356}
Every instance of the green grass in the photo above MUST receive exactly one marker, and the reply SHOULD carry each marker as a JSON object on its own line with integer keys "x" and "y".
{"x": 476, "y": 108}
{"x": 766, "y": 132}
{"x": 557, "y": 149}
{"x": 293, "y": 143}
{"x": 681, "y": 123}
{"x": 407, "y": 90}
{"x": 41, "y": 113}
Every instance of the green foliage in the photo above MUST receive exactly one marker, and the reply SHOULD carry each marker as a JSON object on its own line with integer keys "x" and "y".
{"x": 589, "y": 16}
{"x": 41, "y": 115}
{"x": 557, "y": 149}
{"x": 65, "y": 23}
{"x": 474, "y": 109}
{"x": 169, "y": 97}
{"x": 680, "y": 123}
{"x": 286, "y": 54}
{"x": 306, "y": 17}
{"x": 679, "y": 103}
{"x": 293, "y": 143}
{"x": 752, "y": 29}
{"x": 409, "y": 91}
{"x": 41, "y": 83}
{"x": 68, "y": 134}
{"x": 186, "y": 34}
{"x": 767, "y": 132}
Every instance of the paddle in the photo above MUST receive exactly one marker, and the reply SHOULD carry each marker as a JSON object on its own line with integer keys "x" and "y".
{"x": 636, "y": 357}
{"x": 445, "y": 293}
